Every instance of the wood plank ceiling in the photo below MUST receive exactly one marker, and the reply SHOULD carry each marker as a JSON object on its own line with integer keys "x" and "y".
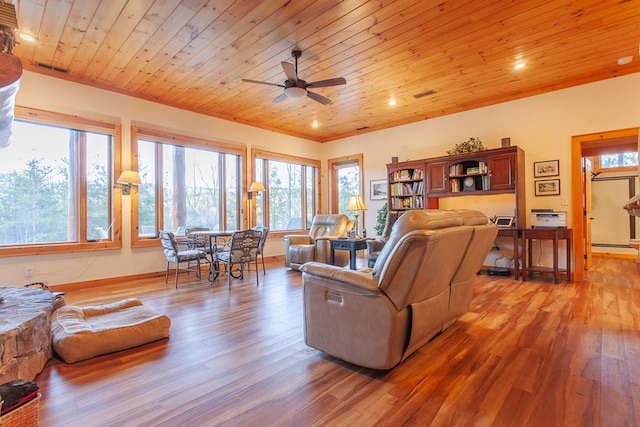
{"x": 193, "y": 54}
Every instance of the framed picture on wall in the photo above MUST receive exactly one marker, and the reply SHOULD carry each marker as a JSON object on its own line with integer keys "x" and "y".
{"x": 546, "y": 168}
{"x": 379, "y": 189}
{"x": 547, "y": 187}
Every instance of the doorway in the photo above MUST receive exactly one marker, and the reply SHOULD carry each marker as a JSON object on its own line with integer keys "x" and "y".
{"x": 583, "y": 146}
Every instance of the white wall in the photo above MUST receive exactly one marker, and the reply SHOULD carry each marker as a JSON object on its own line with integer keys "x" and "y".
{"x": 542, "y": 125}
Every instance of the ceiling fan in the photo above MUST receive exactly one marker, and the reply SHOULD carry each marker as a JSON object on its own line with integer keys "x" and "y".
{"x": 295, "y": 87}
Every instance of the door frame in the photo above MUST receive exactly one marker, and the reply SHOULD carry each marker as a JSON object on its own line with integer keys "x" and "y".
{"x": 333, "y": 165}
{"x": 579, "y": 142}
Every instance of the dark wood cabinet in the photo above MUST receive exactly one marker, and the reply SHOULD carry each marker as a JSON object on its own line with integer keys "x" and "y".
{"x": 494, "y": 171}
{"x": 437, "y": 177}
{"x": 502, "y": 170}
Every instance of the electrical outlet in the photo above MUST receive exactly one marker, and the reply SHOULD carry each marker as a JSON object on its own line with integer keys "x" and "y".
{"x": 28, "y": 272}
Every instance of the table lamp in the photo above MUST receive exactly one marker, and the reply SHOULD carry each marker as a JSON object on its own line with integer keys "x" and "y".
{"x": 356, "y": 205}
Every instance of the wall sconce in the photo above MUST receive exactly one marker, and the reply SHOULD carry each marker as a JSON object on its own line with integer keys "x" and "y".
{"x": 255, "y": 187}
{"x": 356, "y": 205}
{"x": 127, "y": 179}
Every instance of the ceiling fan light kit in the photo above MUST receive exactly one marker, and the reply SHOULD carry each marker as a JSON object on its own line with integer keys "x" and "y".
{"x": 295, "y": 92}
{"x": 295, "y": 87}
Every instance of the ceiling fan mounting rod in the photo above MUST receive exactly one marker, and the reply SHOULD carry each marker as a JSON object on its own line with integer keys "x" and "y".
{"x": 296, "y": 54}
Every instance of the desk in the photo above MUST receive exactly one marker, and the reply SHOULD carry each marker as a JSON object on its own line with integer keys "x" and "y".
{"x": 516, "y": 233}
{"x": 351, "y": 245}
{"x": 554, "y": 234}
{"x": 214, "y": 271}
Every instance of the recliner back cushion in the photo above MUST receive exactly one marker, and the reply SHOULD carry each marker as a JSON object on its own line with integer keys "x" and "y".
{"x": 430, "y": 219}
{"x": 328, "y": 225}
{"x": 392, "y": 217}
{"x": 422, "y": 264}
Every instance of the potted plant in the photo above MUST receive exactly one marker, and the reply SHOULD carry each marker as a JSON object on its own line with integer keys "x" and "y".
{"x": 381, "y": 219}
{"x": 473, "y": 144}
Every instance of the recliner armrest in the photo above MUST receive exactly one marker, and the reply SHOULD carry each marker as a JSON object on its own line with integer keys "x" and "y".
{"x": 298, "y": 239}
{"x": 357, "y": 281}
{"x": 329, "y": 237}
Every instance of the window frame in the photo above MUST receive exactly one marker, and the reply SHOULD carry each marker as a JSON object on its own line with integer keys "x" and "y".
{"x": 265, "y": 156}
{"x": 597, "y": 168}
{"x": 170, "y": 138}
{"x": 42, "y": 117}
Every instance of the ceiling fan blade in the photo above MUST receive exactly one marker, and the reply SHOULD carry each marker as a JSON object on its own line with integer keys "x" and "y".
{"x": 319, "y": 98}
{"x": 290, "y": 71}
{"x": 329, "y": 82}
{"x": 279, "y": 98}
{"x": 262, "y": 83}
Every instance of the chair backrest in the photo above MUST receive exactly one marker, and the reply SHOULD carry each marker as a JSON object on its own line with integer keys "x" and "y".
{"x": 263, "y": 237}
{"x": 328, "y": 225}
{"x": 484, "y": 235}
{"x": 199, "y": 240}
{"x": 168, "y": 241}
{"x": 244, "y": 245}
{"x": 421, "y": 256}
{"x": 392, "y": 217}
{"x": 181, "y": 230}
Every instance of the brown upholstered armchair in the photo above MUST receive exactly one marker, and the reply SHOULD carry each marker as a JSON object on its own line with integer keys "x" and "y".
{"x": 420, "y": 284}
{"x": 315, "y": 246}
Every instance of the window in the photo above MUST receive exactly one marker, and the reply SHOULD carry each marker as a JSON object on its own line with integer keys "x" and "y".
{"x": 619, "y": 160}
{"x": 56, "y": 184}
{"x": 291, "y": 197}
{"x": 345, "y": 181}
{"x": 185, "y": 182}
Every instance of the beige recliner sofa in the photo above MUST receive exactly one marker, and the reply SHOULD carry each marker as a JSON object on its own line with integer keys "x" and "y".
{"x": 315, "y": 246}
{"x": 420, "y": 284}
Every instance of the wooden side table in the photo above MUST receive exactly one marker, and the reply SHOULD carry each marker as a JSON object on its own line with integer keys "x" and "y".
{"x": 351, "y": 245}
{"x": 554, "y": 234}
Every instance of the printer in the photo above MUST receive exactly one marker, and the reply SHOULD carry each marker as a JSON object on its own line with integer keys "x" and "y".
{"x": 548, "y": 219}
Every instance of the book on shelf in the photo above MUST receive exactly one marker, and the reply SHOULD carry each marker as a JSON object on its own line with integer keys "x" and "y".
{"x": 406, "y": 175}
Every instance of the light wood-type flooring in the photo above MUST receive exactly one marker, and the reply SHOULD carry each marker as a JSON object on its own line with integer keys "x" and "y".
{"x": 526, "y": 354}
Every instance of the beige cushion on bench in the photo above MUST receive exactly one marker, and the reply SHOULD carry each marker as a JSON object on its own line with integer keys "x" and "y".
{"x": 81, "y": 333}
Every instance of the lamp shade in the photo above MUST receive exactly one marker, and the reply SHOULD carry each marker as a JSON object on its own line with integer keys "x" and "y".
{"x": 356, "y": 204}
{"x": 129, "y": 177}
{"x": 256, "y": 187}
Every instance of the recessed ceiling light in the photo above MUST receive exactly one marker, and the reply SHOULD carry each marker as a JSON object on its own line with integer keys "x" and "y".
{"x": 315, "y": 124}
{"x": 26, "y": 37}
{"x": 519, "y": 66}
{"x": 392, "y": 102}
{"x": 623, "y": 60}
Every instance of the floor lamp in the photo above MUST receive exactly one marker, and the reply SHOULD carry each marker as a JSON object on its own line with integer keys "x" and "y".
{"x": 356, "y": 205}
{"x": 256, "y": 187}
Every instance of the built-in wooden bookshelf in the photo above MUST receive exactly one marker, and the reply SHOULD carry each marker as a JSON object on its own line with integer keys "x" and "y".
{"x": 406, "y": 185}
{"x": 419, "y": 184}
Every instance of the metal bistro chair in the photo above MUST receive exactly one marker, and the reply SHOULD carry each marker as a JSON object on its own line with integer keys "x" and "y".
{"x": 263, "y": 239}
{"x": 173, "y": 254}
{"x": 242, "y": 250}
{"x": 197, "y": 242}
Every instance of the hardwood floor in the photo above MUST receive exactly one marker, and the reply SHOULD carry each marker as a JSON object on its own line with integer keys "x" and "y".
{"x": 531, "y": 353}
